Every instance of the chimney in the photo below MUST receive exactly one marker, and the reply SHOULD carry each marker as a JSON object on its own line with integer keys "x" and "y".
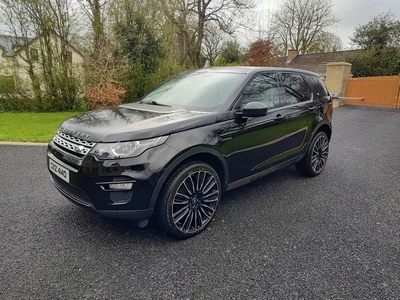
{"x": 291, "y": 55}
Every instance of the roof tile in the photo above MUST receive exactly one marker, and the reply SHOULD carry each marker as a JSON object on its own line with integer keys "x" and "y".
{"x": 316, "y": 62}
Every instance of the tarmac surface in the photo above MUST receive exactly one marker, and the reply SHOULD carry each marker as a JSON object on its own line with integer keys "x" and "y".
{"x": 336, "y": 236}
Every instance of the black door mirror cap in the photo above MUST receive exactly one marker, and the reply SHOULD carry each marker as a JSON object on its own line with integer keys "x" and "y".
{"x": 254, "y": 109}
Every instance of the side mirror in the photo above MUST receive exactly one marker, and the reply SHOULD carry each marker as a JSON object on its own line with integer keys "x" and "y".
{"x": 254, "y": 109}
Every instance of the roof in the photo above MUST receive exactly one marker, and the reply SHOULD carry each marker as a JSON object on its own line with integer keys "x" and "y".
{"x": 253, "y": 70}
{"x": 10, "y": 44}
{"x": 316, "y": 62}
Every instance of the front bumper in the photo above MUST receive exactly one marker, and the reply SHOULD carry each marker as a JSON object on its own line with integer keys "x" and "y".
{"x": 80, "y": 198}
{"x": 89, "y": 181}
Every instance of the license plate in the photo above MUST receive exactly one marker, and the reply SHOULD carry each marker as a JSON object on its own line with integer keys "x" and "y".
{"x": 60, "y": 171}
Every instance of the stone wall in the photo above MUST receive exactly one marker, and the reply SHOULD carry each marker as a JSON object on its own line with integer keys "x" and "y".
{"x": 337, "y": 74}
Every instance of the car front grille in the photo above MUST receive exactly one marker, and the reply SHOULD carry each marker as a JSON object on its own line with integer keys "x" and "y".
{"x": 72, "y": 193}
{"x": 72, "y": 145}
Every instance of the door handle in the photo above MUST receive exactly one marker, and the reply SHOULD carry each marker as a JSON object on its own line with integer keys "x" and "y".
{"x": 278, "y": 118}
{"x": 312, "y": 108}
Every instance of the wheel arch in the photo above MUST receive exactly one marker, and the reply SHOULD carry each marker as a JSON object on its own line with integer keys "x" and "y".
{"x": 205, "y": 154}
{"x": 325, "y": 128}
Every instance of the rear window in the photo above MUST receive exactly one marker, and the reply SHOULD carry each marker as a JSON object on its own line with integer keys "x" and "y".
{"x": 295, "y": 87}
{"x": 319, "y": 86}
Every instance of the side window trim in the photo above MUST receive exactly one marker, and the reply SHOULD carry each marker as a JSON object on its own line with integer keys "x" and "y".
{"x": 310, "y": 90}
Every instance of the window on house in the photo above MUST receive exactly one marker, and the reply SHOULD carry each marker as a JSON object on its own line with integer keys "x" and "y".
{"x": 34, "y": 54}
{"x": 68, "y": 56}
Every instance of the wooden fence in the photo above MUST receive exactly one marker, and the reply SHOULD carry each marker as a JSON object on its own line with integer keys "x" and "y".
{"x": 383, "y": 91}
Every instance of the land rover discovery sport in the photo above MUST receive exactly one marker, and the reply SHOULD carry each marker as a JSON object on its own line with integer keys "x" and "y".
{"x": 171, "y": 155}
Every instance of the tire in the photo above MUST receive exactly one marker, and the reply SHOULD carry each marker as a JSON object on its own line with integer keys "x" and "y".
{"x": 188, "y": 200}
{"x": 316, "y": 156}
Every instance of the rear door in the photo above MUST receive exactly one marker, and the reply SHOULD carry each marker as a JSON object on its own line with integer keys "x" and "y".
{"x": 301, "y": 109}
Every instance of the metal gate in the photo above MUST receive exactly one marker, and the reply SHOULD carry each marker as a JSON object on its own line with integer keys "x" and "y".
{"x": 382, "y": 91}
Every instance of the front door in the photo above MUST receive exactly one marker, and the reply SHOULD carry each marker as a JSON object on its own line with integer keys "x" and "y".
{"x": 258, "y": 141}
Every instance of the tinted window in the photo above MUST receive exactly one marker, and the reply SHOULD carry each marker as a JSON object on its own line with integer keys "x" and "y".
{"x": 319, "y": 86}
{"x": 295, "y": 88}
{"x": 263, "y": 88}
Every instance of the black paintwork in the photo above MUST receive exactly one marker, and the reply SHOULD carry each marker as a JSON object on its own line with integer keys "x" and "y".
{"x": 116, "y": 123}
{"x": 240, "y": 148}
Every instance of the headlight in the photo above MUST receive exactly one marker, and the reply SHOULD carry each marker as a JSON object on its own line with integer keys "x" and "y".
{"x": 126, "y": 149}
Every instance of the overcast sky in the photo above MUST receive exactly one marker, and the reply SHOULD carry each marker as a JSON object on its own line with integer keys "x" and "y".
{"x": 350, "y": 12}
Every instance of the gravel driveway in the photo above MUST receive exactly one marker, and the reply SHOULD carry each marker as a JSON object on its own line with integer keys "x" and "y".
{"x": 336, "y": 236}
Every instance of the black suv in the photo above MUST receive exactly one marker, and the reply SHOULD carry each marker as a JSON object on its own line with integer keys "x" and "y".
{"x": 171, "y": 155}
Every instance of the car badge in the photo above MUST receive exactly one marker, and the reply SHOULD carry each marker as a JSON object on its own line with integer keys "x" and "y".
{"x": 79, "y": 149}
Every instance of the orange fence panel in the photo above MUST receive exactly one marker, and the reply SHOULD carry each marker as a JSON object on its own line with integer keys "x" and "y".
{"x": 382, "y": 91}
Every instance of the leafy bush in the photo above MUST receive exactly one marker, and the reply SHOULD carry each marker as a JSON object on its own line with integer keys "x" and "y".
{"x": 263, "y": 53}
{"x": 104, "y": 95}
{"x": 82, "y": 104}
{"x": 7, "y": 85}
{"x": 15, "y": 103}
{"x": 231, "y": 55}
{"x": 380, "y": 38}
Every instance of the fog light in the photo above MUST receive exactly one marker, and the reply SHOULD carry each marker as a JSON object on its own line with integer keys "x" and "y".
{"x": 120, "y": 198}
{"x": 121, "y": 186}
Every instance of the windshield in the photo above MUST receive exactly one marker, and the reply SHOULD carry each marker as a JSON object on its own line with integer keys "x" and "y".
{"x": 203, "y": 91}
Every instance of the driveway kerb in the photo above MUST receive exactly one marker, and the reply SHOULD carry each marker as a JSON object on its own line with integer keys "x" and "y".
{"x": 22, "y": 143}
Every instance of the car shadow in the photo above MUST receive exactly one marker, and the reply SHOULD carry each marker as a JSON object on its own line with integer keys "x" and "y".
{"x": 83, "y": 223}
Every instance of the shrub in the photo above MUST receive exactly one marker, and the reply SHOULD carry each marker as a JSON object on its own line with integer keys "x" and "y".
{"x": 17, "y": 101}
{"x": 7, "y": 85}
{"x": 104, "y": 95}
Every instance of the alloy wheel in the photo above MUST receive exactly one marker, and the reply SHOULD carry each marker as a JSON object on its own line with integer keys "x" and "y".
{"x": 320, "y": 154}
{"x": 195, "y": 201}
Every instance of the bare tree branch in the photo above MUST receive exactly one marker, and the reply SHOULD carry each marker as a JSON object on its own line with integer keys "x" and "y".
{"x": 299, "y": 22}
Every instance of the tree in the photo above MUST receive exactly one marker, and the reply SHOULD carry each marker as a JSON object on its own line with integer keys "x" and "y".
{"x": 103, "y": 76}
{"x": 381, "y": 31}
{"x": 137, "y": 32}
{"x": 230, "y": 54}
{"x": 326, "y": 42}
{"x": 380, "y": 38}
{"x": 139, "y": 44}
{"x": 133, "y": 45}
{"x": 95, "y": 10}
{"x": 375, "y": 62}
{"x": 263, "y": 53}
{"x": 299, "y": 22}
{"x": 212, "y": 44}
{"x": 190, "y": 19}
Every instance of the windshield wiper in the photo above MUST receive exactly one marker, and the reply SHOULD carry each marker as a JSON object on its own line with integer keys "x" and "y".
{"x": 154, "y": 103}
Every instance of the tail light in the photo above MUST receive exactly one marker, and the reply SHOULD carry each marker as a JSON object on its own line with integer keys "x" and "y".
{"x": 329, "y": 111}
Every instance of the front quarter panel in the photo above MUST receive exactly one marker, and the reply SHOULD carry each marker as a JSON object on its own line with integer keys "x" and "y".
{"x": 213, "y": 140}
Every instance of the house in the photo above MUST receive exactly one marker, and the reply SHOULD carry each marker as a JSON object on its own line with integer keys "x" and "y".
{"x": 22, "y": 57}
{"x": 7, "y": 62}
{"x": 314, "y": 62}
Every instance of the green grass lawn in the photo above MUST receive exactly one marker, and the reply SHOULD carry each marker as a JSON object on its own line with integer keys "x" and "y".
{"x": 31, "y": 127}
